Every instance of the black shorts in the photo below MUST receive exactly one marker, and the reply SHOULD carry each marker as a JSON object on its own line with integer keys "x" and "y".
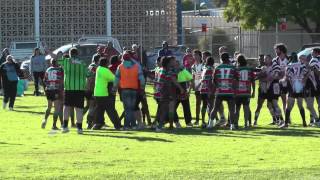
{"x": 74, "y": 99}
{"x": 310, "y": 90}
{"x": 273, "y": 92}
{"x": 53, "y": 95}
{"x": 262, "y": 95}
{"x": 89, "y": 95}
{"x": 197, "y": 93}
{"x": 294, "y": 94}
{"x": 242, "y": 100}
{"x": 204, "y": 97}
{"x": 284, "y": 89}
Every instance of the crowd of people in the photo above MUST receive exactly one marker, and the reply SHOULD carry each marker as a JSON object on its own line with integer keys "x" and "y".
{"x": 73, "y": 88}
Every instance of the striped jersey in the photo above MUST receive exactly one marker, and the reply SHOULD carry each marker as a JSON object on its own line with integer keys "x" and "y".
{"x": 164, "y": 87}
{"x": 206, "y": 80}
{"x": 245, "y": 76}
{"x": 196, "y": 72}
{"x": 279, "y": 66}
{"x": 224, "y": 77}
{"x": 75, "y": 72}
{"x": 295, "y": 73}
{"x": 314, "y": 64}
{"x": 53, "y": 78}
{"x": 265, "y": 76}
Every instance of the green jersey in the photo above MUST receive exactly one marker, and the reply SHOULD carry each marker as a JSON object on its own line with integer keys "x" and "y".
{"x": 75, "y": 72}
{"x": 103, "y": 77}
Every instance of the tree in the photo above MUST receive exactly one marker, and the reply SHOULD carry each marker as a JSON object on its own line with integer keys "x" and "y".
{"x": 219, "y": 3}
{"x": 261, "y": 14}
{"x": 187, "y": 5}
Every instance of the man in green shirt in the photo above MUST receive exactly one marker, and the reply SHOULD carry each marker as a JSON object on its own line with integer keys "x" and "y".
{"x": 104, "y": 100}
{"x": 75, "y": 71}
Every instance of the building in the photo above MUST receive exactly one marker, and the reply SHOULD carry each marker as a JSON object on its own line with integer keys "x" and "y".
{"x": 57, "y": 22}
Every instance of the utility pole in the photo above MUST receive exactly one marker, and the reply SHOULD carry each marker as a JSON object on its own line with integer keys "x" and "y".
{"x": 37, "y": 20}
{"x": 108, "y": 18}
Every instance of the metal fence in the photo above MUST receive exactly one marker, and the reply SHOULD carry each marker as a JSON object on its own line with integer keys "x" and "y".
{"x": 250, "y": 43}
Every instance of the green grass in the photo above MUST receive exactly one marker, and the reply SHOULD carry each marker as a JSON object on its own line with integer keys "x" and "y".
{"x": 28, "y": 152}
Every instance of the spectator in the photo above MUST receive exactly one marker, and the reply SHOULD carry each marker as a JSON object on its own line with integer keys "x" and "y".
{"x": 188, "y": 60}
{"x": 128, "y": 77}
{"x": 37, "y": 69}
{"x": 4, "y": 54}
{"x": 75, "y": 71}
{"x": 104, "y": 100}
{"x": 9, "y": 73}
{"x": 165, "y": 51}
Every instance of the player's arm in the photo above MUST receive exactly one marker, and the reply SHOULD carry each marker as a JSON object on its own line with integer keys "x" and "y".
{"x": 253, "y": 84}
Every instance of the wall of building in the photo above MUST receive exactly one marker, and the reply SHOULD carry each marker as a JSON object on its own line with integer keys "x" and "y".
{"x": 146, "y": 22}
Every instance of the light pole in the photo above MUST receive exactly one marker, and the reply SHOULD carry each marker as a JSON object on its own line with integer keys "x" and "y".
{"x": 108, "y": 18}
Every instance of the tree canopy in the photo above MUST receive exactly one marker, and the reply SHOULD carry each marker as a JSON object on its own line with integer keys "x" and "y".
{"x": 261, "y": 14}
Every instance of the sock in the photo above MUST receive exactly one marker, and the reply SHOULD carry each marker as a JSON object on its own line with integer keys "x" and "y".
{"x": 65, "y": 123}
{"x": 55, "y": 119}
{"x": 303, "y": 116}
{"x": 256, "y": 116}
{"x": 79, "y": 125}
{"x": 274, "y": 119}
{"x": 288, "y": 112}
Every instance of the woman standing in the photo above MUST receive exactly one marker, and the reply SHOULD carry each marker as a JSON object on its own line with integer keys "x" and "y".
{"x": 9, "y": 72}
{"x": 38, "y": 68}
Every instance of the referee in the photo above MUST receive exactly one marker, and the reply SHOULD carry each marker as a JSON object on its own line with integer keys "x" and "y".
{"x": 75, "y": 71}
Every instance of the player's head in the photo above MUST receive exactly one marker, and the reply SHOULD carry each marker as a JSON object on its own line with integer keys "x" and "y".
{"x": 209, "y": 61}
{"x": 225, "y": 58}
{"x": 303, "y": 59}
{"x": 294, "y": 57}
{"x": 280, "y": 49}
{"x": 268, "y": 60}
{"x": 205, "y": 55}
{"x": 114, "y": 59}
{"x": 241, "y": 60}
{"x": 95, "y": 59}
{"x": 165, "y": 62}
{"x": 222, "y": 49}
{"x": 103, "y": 62}
{"x": 73, "y": 52}
{"x": 197, "y": 55}
{"x": 53, "y": 62}
{"x": 261, "y": 59}
{"x": 315, "y": 52}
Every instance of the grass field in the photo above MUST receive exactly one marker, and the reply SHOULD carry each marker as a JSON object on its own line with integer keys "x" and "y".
{"x": 265, "y": 152}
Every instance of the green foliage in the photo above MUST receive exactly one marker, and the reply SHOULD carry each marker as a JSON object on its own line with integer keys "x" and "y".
{"x": 187, "y": 5}
{"x": 259, "y": 14}
{"x": 266, "y": 152}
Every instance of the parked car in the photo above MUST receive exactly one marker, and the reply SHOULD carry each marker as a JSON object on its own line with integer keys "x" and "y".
{"x": 177, "y": 51}
{"x": 22, "y": 51}
{"x": 313, "y": 45}
{"x": 87, "y": 47}
{"x": 307, "y": 51}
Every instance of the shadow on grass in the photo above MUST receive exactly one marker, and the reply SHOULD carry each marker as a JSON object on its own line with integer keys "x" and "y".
{"x": 138, "y": 138}
{"x": 26, "y": 111}
{"x": 291, "y": 131}
{"x": 29, "y": 107}
{"x": 14, "y": 144}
